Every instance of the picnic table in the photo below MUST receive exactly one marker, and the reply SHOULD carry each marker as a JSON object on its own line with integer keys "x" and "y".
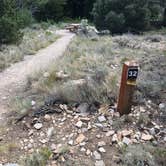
{"x": 73, "y": 27}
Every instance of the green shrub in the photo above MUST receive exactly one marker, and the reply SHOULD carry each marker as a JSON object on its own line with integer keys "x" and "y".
{"x": 9, "y": 30}
{"x": 115, "y": 15}
{"x": 115, "y": 22}
{"x": 164, "y": 18}
{"x": 24, "y": 18}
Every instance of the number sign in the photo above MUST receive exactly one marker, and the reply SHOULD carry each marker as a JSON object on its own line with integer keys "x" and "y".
{"x": 132, "y": 73}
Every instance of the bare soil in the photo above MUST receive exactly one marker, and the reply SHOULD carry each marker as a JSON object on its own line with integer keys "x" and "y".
{"x": 15, "y": 77}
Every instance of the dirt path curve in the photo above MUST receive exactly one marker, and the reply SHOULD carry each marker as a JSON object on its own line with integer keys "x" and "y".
{"x": 14, "y": 78}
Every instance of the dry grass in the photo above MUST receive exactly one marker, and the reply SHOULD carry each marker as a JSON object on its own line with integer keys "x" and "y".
{"x": 33, "y": 40}
{"x": 7, "y": 148}
{"x": 99, "y": 63}
{"x": 87, "y": 60}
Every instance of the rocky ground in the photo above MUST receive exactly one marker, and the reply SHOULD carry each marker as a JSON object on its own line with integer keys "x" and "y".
{"x": 76, "y": 136}
{"x": 77, "y": 128}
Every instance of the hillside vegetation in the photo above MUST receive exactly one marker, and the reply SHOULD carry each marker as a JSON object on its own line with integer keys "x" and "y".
{"x": 117, "y": 16}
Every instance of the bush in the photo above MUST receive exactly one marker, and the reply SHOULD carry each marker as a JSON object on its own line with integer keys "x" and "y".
{"x": 115, "y": 22}
{"x": 9, "y": 30}
{"x": 115, "y": 15}
{"x": 50, "y": 10}
{"x": 24, "y": 18}
{"x": 164, "y": 18}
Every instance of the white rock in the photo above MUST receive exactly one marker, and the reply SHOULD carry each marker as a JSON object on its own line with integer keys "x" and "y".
{"x": 33, "y": 103}
{"x": 101, "y": 119}
{"x": 110, "y": 133}
{"x": 38, "y": 126}
{"x": 100, "y": 163}
{"x": 164, "y": 139}
{"x": 46, "y": 74}
{"x": 82, "y": 144}
{"x": 115, "y": 138}
{"x": 146, "y": 137}
{"x": 152, "y": 131}
{"x": 126, "y": 141}
{"x": 43, "y": 141}
{"x": 99, "y": 125}
{"x": 30, "y": 146}
{"x": 97, "y": 155}
{"x": 11, "y": 164}
{"x": 102, "y": 150}
{"x": 162, "y": 106}
{"x": 79, "y": 124}
{"x": 142, "y": 109}
{"x": 50, "y": 132}
{"x": 126, "y": 133}
{"x": 71, "y": 142}
{"x": 53, "y": 147}
{"x": 47, "y": 118}
{"x": 88, "y": 152}
{"x": 98, "y": 136}
{"x": 83, "y": 149}
{"x": 102, "y": 143}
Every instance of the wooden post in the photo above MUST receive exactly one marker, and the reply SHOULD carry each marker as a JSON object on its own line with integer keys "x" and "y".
{"x": 128, "y": 83}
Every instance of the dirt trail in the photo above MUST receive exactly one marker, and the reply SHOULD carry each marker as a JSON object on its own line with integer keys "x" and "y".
{"x": 14, "y": 78}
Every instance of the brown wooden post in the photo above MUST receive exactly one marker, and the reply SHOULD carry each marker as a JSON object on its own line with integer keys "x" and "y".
{"x": 128, "y": 83}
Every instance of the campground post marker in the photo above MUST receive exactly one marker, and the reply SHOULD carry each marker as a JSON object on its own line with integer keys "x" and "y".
{"x": 128, "y": 84}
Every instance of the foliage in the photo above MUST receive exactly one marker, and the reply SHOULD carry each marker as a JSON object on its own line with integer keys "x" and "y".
{"x": 125, "y": 15}
{"x": 9, "y": 30}
{"x": 50, "y": 9}
{"x": 24, "y": 18}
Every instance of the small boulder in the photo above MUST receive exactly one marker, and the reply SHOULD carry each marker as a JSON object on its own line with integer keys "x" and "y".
{"x": 101, "y": 119}
{"x": 38, "y": 126}
{"x": 146, "y": 137}
{"x": 100, "y": 163}
{"x": 79, "y": 124}
{"x": 97, "y": 155}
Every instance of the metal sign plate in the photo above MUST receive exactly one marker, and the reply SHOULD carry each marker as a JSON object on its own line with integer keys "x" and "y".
{"x": 132, "y": 74}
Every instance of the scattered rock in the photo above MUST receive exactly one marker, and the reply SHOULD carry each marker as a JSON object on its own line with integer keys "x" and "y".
{"x": 88, "y": 152}
{"x": 10, "y": 164}
{"x": 46, "y": 75}
{"x": 162, "y": 106}
{"x": 110, "y": 133}
{"x": 98, "y": 136}
{"x": 61, "y": 75}
{"x": 126, "y": 141}
{"x": 33, "y": 103}
{"x": 83, "y": 149}
{"x": 97, "y": 155}
{"x": 100, "y": 163}
{"x": 99, "y": 125}
{"x": 82, "y": 143}
{"x": 43, "y": 141}
{"x": 102, "y": 143}
{"x": 47, "y": 118}
{"x": 152, "y": 131}
{"x": 38, "y": 126}
{"x": 102, "y": 150}
{"x": 142, "y": 109}
{"x": 50, "y": 132}
{"x": 126, "y": 133}
{"x": 80, "y": 138}
{"x": 115, "y": 138}
{"x": 79, "y": 124}
{"x": 30, "y": 133}
{"x": 101, "y": 119}
{"x": 146, "y": 137}
{"x": 71, "y": 142}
